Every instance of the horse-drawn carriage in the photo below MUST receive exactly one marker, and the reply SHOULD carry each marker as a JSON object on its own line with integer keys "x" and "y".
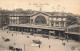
{"x": 36, "y": 43}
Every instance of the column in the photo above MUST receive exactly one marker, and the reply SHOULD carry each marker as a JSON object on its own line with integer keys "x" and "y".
{"x": 67, "y": 30}
{"x": 10, "y": 20}
{"x": 49, "y": 23}
{"x": 64, "y": 24}
{"x": 54, "y": 24}
{"x": 31, "y": 21}
{"x": 18, "y": 21}
{"x": 59, "y": 24}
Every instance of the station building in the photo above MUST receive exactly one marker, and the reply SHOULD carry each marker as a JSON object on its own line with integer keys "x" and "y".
{"x": 39, "y": 22}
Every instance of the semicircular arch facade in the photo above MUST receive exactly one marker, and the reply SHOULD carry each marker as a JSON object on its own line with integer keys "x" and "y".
{"x": 44, "y": 20}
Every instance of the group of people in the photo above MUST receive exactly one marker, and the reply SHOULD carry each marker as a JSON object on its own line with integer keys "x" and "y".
{"x": 14, "y": 49}
{"x": 49, "y": 46}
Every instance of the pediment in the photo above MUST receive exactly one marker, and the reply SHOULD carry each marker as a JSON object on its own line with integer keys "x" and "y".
{"x": 40, "y": 13}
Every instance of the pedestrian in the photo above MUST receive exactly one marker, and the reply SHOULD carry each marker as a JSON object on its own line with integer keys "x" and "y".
{"x": 14, "y": 43}
{"x": 67, "y": 40}
{"x": 48, "y": 37}
{"x": 7, "y": 31}
{"x": 62, "y": 39}
{"x": 27, "y": 36}
{"x": 63, "y": 44}
{"x": 39, "y": 45}
{"x": 22, "y": 33}
{"x": 20, "y": 49}
{"x": 49, "y": 46}
{"x": 12, "y": 34}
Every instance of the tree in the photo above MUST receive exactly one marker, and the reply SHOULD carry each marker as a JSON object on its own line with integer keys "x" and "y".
{"x": 71, "y": 20}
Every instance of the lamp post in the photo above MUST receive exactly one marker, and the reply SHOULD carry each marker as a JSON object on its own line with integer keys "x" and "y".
{"x": 24, "y": 47}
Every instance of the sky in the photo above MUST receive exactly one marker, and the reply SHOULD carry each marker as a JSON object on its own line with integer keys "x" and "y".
{"x": 72, "y": 6}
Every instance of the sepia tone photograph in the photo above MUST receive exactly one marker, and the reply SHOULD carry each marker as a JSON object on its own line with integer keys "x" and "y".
{"x": 39, "y": 25}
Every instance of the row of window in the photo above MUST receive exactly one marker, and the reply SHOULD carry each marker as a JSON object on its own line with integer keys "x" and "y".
{"x": 18, "y": 21}
{"x": 14, "y": 17}
{"x": 58, "y": 24}
{"x": 54, "y": 19}
{"x": 58, "y": 19}
{"x": 18, "y": 17}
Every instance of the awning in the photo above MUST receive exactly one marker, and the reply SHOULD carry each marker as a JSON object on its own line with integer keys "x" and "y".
{"x": 38, "y": 27}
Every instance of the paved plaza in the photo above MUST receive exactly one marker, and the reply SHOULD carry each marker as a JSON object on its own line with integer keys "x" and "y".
{"x": 21, "y": 41}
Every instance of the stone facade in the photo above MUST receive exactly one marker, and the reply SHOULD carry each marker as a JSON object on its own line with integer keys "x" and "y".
{"x": 39, "y": 18}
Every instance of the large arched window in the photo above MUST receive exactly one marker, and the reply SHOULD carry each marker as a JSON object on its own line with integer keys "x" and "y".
{"x": 40, "y": 20}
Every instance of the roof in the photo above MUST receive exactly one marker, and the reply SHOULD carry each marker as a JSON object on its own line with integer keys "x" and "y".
{"x": 38, "y": 26}
{"x": 73, "y": 26}
{"x": 75, "y": 33}
{"x": 50, "y": 14}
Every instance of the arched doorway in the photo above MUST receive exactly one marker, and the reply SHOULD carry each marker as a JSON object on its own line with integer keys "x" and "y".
{"x": 40, "y": 20}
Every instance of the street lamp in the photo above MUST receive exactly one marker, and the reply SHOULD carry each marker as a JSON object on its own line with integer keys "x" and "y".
{"x": 24, "y": 47}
